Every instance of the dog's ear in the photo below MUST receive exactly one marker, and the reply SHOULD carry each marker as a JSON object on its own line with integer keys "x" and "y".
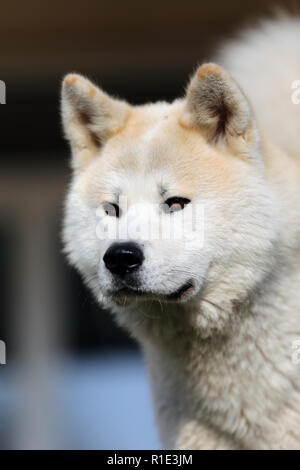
{"x": 217, "y": 106}
{"x": 89, "y": 116}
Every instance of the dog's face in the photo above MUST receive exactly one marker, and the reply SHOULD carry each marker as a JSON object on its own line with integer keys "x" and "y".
{"x": 168, "y": 202}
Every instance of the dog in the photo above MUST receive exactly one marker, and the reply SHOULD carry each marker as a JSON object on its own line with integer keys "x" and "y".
{"x": 183, "y": 219}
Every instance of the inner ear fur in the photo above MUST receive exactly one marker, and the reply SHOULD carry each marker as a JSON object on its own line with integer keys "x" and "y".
{"x": 89, "y": 117}
{"x": 217, "y": 106}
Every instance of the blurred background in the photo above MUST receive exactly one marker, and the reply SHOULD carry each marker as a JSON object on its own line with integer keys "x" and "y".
{"x": 72, "y": 378}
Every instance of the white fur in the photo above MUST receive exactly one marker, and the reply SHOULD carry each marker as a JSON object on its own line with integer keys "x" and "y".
{"x": 220, "y": 360}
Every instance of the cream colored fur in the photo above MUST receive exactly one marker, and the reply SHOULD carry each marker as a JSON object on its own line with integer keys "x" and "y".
{"x": 220, "y": 359}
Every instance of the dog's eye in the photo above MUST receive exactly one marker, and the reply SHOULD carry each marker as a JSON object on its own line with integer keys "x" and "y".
{"x": 111, "y": 209}
{"x": 174, "y": 204}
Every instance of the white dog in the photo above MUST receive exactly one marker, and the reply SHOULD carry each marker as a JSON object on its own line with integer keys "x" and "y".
{"x": 184, "y": 219}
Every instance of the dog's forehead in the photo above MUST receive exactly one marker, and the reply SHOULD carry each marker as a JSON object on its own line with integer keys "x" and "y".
{"x": 145, "y": 145}
{"x": 149, "y": 118}
{"x": 147, "y": 133}
{"x": 154, "y": 154}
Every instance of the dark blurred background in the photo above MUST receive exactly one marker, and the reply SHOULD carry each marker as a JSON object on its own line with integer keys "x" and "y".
{"x": 72, "y": 378}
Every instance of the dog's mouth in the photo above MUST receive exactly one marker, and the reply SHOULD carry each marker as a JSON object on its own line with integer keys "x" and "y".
{"x": 180, "y": 294}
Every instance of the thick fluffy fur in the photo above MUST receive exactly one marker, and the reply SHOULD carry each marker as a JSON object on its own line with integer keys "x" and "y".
{"x": 220, "y": 358}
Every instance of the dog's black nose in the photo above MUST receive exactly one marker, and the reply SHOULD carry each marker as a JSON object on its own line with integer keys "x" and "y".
{"x": 123, "y": 258}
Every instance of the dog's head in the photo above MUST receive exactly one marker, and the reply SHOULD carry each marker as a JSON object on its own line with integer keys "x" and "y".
{"x": 168, "y": 202}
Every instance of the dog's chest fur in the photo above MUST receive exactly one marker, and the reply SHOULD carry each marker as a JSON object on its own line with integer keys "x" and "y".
{"x": 235, "y": 390}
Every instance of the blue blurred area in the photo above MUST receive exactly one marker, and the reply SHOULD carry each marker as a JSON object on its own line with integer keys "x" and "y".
{"x": 108, "y": 404}
{"x": 5, "y": 399}
{"x": 98, "y": 402}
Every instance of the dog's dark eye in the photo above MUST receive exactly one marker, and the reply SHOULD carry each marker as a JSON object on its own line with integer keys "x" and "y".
{"x": 174, "y": 204}
{"x": 111, "y": 209}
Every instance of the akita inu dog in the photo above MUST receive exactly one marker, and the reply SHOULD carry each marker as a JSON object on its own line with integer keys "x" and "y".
{"x": 213, "y": 296}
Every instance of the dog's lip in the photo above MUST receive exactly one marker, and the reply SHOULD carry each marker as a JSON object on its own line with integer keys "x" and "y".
{"x": 180, "y": 293}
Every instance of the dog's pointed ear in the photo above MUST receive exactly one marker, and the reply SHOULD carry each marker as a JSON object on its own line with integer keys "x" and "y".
{"x": 217, "y": 106}
{"x": 90, "y": 117}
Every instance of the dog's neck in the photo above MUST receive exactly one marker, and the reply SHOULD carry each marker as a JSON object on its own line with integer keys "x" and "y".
{"x": 197, "y": 379}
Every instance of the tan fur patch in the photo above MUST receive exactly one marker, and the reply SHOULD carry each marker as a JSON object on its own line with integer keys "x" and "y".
{"x": 208, "y": 68}
{"x": 92, "y": 92}
{"x": 71, "y": 80}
